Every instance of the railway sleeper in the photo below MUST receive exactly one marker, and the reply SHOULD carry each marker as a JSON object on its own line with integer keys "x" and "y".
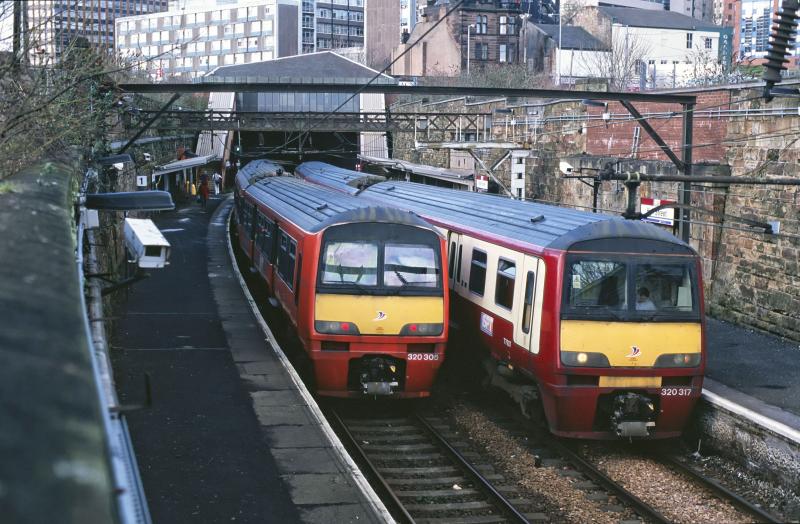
{"x": 436, "y": 493}
{"x": 369, "y": 447}
{"x": 390, "y": 457}
{"x": 450, "y": 506}
{"x": 478, "y": 519}
{"x": 389, "y": 429}
{"x": 379, "y": 439}
{"x": 443, "y": 481}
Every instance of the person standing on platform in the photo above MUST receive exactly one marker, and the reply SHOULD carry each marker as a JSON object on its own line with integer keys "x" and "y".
{"x": 217, "y": 178}
{"x": 203, "y": 191}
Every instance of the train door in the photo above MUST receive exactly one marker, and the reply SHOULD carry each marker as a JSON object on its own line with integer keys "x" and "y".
{"x": 454, "y": 252}
{"x": 528, "y": 295}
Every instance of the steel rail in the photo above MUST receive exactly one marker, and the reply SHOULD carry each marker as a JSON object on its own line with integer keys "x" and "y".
{"x": 719, "y": 490}
{"x": 389, "y": 495}
{"x": 603, "y": 481}
{"x": 486, "y": 486}
{"x": 642, "y": 508}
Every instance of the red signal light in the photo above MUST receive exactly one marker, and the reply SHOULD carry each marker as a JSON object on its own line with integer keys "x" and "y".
{"x": 344, "y": 326}
{"x": 412, "y": 327}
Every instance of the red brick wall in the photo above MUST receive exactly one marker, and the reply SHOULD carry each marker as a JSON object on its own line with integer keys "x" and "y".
{"x": 616, "y": 137}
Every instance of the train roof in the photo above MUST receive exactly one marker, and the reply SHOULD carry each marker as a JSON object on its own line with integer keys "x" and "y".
{"x": 313, "y": 208}
{"x": 543, "y": 225}
{"x": 337, "y": 178}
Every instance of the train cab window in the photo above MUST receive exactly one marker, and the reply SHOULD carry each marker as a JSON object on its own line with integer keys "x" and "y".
{"x": 452, "y": 255}
{"x": 527, "y": 311}
{"x": 504, "y": 285}
{"x": 286, "y": 258}
{"x": 350, "y": 263}
{"x": 598, "y": 284}
{"x": 477, "y": 272}
{"x": 663, "y": 287}
{"x": 410, "y": 265}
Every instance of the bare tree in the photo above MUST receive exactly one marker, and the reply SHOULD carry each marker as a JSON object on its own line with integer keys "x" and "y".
{"x": 622, "y": 64}
{"x": 570, "y": 10}
{"x": 53, "y": 101}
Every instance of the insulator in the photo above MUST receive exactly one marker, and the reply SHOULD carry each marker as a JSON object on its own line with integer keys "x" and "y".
{"x": 781, "y": 42}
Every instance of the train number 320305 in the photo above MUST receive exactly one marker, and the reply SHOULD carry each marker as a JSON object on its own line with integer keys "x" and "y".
{"x": 676, "y": 392}
{"x": 423, "y": 356}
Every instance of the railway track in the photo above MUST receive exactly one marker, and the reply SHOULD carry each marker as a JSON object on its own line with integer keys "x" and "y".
{"x": 741, "y": 503}
{"x": 428, "y": 474}
{"x": 541, "y": 442}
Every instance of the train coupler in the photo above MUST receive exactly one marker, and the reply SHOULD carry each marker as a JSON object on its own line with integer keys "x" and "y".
{"x": 378, "y": 375}
{"x": 633, "y": 415}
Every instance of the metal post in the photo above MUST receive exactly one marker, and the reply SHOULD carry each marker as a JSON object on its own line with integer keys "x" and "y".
{"x": 469, "y": 27}
{"x": 558, "y": 51}
{"x": 686, "y": 157}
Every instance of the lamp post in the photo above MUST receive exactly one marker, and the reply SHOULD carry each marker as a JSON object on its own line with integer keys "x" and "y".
{"x": 525, "y": 17}
{"x": 558, "y": 51}
{"x": 469, "y": 28}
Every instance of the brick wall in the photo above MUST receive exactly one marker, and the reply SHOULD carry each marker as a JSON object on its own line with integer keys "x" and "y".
{"x": 750, "y": 278}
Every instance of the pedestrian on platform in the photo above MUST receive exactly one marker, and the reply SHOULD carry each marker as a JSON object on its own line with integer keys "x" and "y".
{"x": 217, "y": 178}
{"x": 203, "y": 191}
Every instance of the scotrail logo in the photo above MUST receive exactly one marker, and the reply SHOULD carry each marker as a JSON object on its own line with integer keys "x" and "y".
{"x": 635, "y": 352}
{"x": 381, "y": 316}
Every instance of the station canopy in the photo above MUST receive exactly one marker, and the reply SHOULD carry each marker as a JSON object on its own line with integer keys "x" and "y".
{"x": 180, "y": 165}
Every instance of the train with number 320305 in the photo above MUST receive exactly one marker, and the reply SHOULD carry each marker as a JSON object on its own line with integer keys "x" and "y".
{"x": 595, "y": 321}
{"x": 363, "y": 285}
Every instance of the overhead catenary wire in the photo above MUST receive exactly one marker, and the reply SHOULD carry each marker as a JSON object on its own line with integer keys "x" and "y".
{"x": 375, "y": 77}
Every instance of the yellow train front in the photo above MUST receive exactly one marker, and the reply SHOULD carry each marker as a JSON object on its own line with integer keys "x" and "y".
{"x": 364, "y": 287}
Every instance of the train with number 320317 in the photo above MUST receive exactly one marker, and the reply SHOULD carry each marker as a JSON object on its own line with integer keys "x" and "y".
{"x": 363, "y": 285}
{"x": 596, "y": 320}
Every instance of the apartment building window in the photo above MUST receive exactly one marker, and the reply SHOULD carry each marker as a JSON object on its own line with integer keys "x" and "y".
{"x": 481, "y": 25}
{"x": 481, "y": 51}
{"x": 689, "y": 40}
{"x": 503, "y": 26}
{"x": 512, "y": 25}
{"x": 708, "y": 43}
{"x": 502, "y": 53}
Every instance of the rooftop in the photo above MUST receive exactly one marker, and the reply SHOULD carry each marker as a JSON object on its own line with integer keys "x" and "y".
{"x": 322, "y": 67}
{"x": 572, "y": 37}
{"x": 661, "y": 19}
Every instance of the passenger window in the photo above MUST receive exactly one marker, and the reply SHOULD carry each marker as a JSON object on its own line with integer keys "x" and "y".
{"x": 527, "y": 311}
{"x": 477, "y": 272}
{"x": 458, "y": 265}
{"x": 286, "y": 256}
{"x": 504, "y": 286}
{"x": 264, "y": 235}
{"x": 299, "y": 279}
{"x": 452, "y": 257}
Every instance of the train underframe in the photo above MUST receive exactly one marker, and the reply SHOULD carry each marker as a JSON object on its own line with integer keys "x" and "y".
{"x": 591, "y": 412}
{"x": 365, "y": 369}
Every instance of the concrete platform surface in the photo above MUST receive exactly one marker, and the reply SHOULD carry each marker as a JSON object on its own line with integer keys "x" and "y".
{"x": 229, "y": 437}
{"x": 756, "y": 371}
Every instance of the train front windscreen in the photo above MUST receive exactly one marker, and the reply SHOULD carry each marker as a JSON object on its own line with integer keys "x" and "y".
{"x": 385, "y": 278}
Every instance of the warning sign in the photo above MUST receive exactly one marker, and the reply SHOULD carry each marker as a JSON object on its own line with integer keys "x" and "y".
{"x": 482, "y": 182}
{"x": 665, "y": 217}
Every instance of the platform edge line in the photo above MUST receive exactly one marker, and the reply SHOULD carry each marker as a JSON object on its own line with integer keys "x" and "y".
{"x": 763, "y": 421}
{"x": 344, "y": 458}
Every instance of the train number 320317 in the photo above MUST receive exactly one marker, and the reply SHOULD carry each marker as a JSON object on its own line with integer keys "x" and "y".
{"x": 676, "y": 392}
{"x": 423, "y": 356}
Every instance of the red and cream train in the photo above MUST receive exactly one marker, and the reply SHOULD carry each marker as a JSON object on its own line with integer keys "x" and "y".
{"x": 363, "y": 285}
{"x": 599, "y": 318}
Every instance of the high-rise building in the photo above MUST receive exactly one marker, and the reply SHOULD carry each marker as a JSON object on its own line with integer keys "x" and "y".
{"x": 383, "y": 31}
{"x": 752, "y": 22}
{"x": 201, "y": 36}
{"x": 408, "y": 15}
{"x": 53, "y": 25}
{"x": 339, "y": 24}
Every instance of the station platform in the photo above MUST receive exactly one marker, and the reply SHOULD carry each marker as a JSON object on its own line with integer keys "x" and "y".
{"x": 756, "y": 372}
{"x": 232, "y": 435}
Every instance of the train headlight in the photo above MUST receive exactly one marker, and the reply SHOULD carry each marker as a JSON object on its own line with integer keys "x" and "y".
{"x": 678, "y": 360}
{"x": 335, "y": 327}
{"x": 422, "y": 330}
{"x": 584, "y": 359}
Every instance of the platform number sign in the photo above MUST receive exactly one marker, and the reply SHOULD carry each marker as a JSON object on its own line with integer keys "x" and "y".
{"x": 141, "y": 181}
